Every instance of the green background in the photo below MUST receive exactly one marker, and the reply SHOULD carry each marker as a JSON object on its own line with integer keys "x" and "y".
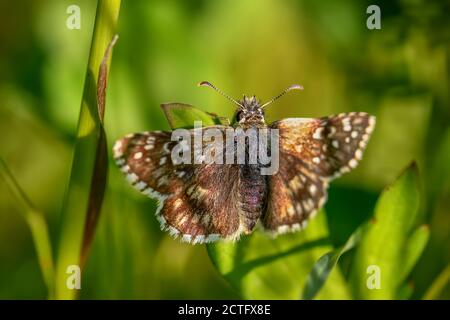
{"x": 399, "y": 73}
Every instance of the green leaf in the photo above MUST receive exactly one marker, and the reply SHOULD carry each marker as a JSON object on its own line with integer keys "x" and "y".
{"x": 84, "y": 196}
{"x": 38, "y": 227}
{"x": 322, "y": 268}
{"x": 405, "y": 292}
{"x": 260, "y": 267}
{"x": 383, "y": 244}
{"x": 184, "y": 115}
{"x": 413, "y": 249}
{"x": 438, "y": 285}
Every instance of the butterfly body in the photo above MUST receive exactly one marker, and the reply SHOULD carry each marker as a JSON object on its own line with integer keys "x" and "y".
{"x": 204, "y": 202}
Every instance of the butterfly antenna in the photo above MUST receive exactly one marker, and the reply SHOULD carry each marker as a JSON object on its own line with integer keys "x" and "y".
{"x": 293, "y": 87}
{"x": 208, "y": 84}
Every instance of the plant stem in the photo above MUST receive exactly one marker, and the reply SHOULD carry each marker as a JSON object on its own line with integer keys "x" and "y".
{"x": 89, "y": 132}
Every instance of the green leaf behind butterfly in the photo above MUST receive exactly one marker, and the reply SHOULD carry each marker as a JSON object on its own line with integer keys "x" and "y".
{"x": 181, "y": 115}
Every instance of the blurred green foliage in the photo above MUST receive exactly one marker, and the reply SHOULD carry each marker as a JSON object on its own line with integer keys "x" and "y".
{"x": 399, "y": 73}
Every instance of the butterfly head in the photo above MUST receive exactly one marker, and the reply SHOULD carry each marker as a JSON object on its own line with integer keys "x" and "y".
{"x": 250, "y": 111}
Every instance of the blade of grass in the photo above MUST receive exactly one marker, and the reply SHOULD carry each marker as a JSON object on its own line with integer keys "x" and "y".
{"x": 438, "y": 285}
{"x": 38, "y": 227}
{"x": 98, "y": 184}
{"x": 84, "y": 195}
{"x": 322, "y": 268}
{"x": 413, "y": 249}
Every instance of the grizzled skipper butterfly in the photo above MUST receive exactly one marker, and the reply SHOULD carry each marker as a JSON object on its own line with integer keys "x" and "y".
{"x": 204, "y": 201}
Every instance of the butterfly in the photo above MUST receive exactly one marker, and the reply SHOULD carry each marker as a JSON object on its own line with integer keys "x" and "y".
{"x": 205, "y": 202}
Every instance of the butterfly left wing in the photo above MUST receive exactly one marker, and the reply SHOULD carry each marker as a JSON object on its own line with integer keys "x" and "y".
{"x": 312, "y": 151}
{"x": 192, "y": 204}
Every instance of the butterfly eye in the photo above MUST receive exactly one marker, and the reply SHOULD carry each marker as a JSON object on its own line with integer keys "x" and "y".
{"x": 239, "y": 115}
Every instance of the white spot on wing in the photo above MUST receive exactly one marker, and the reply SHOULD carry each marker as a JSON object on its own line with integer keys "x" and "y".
{"x": 141, "y": 185}
{"x": 353, "y": 163}
{"x": 335, "y": 144}
{"x": 283, "y": 229}
{"x": 177, "y": 203}
{"x": 291, "y": 211}
{"x": 116, "y": 149}
{"x": 212, "y": 237}
{"x": 312, "y": 189}
{"x": 173, "y": 231}
{"x": 332, "y": 131}
{"x": 318, "y": 133}
{"x": 132, "y": 177}
{"x": 166, "y": 147}
{"x": 186, "y": 238}
{"x": 199, "y": 239}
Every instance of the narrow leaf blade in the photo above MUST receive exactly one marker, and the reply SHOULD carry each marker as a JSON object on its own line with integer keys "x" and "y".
{"x": 438, "y": 285}
{"x": 414, "y": 248}
{"x": 323, "y": 267}
{"x": 100, "y": 171}
{"x": 38, "y": 227}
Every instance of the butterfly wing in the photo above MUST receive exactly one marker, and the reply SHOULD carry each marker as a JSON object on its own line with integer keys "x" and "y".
{"x": 312, "y": 151}
{"x": 197, "y": 202}
{"x": 294, "y": 195}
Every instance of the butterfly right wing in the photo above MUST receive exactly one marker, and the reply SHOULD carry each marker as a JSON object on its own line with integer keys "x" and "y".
{"x": 328, "y": 146}
{"x": 294, "y": 196}
{"x": 197, "y": 202}
{"x": 312, "y": 151}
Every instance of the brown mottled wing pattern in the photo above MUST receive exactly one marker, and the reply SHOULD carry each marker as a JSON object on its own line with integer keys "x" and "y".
{"x": 295, "y": 194}
{"x": 312, "y": 151}
{"x": 192, "y": 204}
